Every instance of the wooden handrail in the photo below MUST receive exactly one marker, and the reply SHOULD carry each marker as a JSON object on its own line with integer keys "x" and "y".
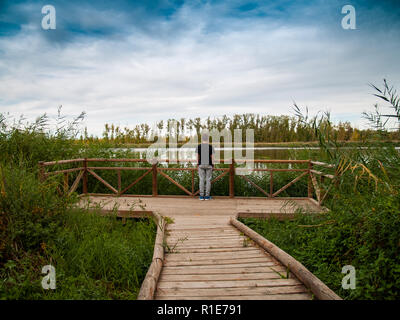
{"x": 153, "y": 167}
{"x": 330, "y": 176}
{"x": 323, "y": 164}
{"x": 225, "y": 161}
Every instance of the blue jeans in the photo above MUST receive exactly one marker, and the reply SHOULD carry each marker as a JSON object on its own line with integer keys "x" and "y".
{"x": 205, "y": 174}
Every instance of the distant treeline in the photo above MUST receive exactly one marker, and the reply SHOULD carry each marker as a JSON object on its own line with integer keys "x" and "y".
{"x": 267, "y": 128}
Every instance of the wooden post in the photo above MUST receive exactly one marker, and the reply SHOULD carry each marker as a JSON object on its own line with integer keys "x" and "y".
{"x": 119, "y": 181}
{"x": 193, "y": 182}
{"x": 85, "y": 177}
{"x": 66, "y": 185}
{"x": 155, "y": 188}
{"x": 271, "y": 184}
{"x": 42, "y": 175}
{"x": 232, "y": 179}
{"x": 323, "y": 190}
{"x": 310, "y": 166}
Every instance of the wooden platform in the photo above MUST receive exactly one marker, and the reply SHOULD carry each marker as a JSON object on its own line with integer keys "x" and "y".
{"x": 208, "y": 258}
{"x": 222, "y": 206}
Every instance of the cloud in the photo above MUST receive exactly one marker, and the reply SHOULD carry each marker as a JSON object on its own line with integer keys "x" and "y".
{"x": 192, "y": 60}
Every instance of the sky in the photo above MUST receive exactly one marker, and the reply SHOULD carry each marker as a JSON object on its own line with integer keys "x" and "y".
{"x": 127, "y": 62}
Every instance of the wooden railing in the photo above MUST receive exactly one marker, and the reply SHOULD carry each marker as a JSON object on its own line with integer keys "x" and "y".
{"x": 84, "y": 168}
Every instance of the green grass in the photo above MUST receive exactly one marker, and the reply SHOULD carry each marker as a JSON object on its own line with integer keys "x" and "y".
{"x": 102, "y": 256}
{"x": 95, "y": 257}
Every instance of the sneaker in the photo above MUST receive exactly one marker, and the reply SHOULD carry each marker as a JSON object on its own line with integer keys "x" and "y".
{"x": 207, "y": 198}
{"x": 201, "y": 198}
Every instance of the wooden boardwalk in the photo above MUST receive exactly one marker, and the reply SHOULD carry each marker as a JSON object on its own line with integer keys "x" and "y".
{"x": 208, "y": 258}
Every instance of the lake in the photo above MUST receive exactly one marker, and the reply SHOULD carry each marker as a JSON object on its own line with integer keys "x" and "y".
{"x": 259, "y": 152}
{"x": 281, "y": 153}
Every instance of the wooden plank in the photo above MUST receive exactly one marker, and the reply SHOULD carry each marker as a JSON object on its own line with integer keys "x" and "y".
{"x": 49, "y": 163}
{"x": 168, "y": 262}
{"x": 218, "y": 255}
{"x": 184, "y": 270}
{"x": 219, "y": 277}
{"x": 213, "y": 242}
{"x": 118, "y": 168}
{"x": 76, "y": 182}
{"x": 109, "y": 186}
{"x": 255, "y": 185}
{"x": 228, "y": 284}
{"x": 64, "y": 171}
{"x": 197, "y": 232}
{"x": 201, "y": 222}
{"x": 330, "y": 176}
{"x": 316, "y": 188}
{"x": 200, "y": 234}
{"x": 190, "y": 240}
{"x": 204, "y": 246}
{"x": 116, "y": 160}
{"x": 184, "y": 241}
{"x": 204, "y": 250}
{"x": 228, "y": 265}
{"x": 210, "y": 237}
{"x": 325, "y": 194}
{"x": 323, "y": 164}
{"x": 215, "y": 292}
{"x": 175, "y": 183}
{"x": 294, "y": 296}
{"x": 199, "y": 228}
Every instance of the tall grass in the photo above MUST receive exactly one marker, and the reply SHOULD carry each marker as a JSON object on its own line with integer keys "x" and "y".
{"x": 101, "y": 258}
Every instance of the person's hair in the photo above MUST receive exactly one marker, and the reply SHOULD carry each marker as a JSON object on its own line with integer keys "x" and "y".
{"x": 204, "y": 136}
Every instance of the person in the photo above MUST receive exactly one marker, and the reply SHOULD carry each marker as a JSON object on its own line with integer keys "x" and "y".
{"x": 205, "y": 164}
